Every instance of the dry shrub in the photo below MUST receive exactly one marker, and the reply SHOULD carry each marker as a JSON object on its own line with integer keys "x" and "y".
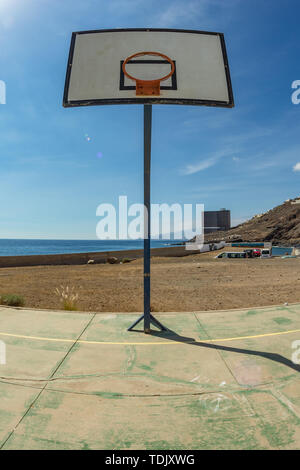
{"x": 68, "y": 297}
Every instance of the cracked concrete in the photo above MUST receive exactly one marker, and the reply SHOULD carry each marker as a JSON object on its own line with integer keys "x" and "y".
{"x": 216, "y": 380}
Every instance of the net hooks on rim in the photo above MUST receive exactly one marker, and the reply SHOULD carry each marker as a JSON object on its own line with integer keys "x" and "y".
{"x": 148, "y": 87}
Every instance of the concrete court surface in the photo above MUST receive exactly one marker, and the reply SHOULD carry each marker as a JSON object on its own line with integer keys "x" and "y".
{"x": 216, "y": 380}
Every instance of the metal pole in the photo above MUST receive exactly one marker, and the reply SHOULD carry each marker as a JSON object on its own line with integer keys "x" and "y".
{"x": 147, "y": 213}
{"x": 147, "y": 317}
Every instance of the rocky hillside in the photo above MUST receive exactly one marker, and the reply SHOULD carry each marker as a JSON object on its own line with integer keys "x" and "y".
{"x": 280, "y": 225}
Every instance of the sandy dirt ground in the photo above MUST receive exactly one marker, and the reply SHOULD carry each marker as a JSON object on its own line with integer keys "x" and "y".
{"x": 192, "y": 283}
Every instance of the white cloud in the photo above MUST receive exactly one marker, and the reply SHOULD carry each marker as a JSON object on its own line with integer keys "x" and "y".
{"x": 191, "y": 169}
{"x": 206, "y": 163}
{"x": 193, "y": 11}
{"x": 296, "y": 167}
{"x": 181, "y": 11}
{"x": 252, "y": 135}
{"x": 269, "y": 159}
{"x": 269, "y": 163}
{"x": 7, "y": 18}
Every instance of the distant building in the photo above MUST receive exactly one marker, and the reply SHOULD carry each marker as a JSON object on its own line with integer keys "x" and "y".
{"x": 215, "y": 221}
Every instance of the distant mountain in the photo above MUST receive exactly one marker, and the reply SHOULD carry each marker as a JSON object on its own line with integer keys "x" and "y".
{"x": 279, "y": 225}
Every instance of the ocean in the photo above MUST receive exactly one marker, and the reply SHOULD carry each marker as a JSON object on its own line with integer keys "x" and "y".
{"x": 19, "y": 247}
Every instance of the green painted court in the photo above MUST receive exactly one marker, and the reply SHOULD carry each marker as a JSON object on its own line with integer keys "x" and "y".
{"x": 216, "y": 380}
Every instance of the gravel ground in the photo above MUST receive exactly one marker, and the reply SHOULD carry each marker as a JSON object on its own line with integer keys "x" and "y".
{"x": 193, "y": 283}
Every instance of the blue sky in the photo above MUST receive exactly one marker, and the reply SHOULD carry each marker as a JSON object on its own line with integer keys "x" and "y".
{"x": 51, "y": 180}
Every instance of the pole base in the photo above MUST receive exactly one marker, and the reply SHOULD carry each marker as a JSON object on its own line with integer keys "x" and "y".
{"x": 154, "y": 322}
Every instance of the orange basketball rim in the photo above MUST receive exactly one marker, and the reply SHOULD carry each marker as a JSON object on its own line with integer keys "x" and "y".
{"x": 148, "y": 87}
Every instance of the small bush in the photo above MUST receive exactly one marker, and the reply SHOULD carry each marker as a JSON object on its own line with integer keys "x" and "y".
{"x": 68, "y": 298}
{"x": 127, "y": 260}
{"x": 12, "y": 300}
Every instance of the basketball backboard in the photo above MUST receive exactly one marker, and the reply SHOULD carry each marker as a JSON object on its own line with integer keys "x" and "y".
{"x": 194, "y": 62}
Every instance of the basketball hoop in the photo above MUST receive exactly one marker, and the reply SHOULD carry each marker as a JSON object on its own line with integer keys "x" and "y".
{"x": 199, "y": 58}
{"x": 148, "y": 87}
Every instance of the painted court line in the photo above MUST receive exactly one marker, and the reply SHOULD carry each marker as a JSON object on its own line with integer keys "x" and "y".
{"x": 147, "y": 343}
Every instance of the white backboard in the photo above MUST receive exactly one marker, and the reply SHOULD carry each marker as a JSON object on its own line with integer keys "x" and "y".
{"x": 95, "y": 76}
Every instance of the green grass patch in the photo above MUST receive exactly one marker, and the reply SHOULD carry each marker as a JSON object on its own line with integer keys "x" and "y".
{"x": 13, "y": 300}
{"x": 282, "y": 320}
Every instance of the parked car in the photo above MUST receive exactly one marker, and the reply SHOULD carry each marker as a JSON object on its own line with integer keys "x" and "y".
{"x": 256, "y": 252}
{"x": 232, "y": 254}
{"x": 249, "y": 253}
{"x": 266, "y": 253}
